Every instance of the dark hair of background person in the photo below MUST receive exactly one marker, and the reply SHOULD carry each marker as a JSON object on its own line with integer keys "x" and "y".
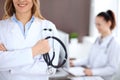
{"x": 108, "y": 16}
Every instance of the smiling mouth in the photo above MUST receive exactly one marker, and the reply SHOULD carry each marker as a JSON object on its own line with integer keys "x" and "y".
{"x": 22, "y": 5}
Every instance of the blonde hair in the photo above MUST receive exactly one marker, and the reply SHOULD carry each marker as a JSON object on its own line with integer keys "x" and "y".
{"x": 10, "y": 9}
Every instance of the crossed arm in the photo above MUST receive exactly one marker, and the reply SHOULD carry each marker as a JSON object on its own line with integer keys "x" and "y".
{"x": 41, "y": 47}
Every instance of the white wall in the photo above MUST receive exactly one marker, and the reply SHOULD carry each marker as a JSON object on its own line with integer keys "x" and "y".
{"x": 99, "y": 6}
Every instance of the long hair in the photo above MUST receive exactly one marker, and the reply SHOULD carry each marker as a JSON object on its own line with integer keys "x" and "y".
{"x": 9, "y": 9}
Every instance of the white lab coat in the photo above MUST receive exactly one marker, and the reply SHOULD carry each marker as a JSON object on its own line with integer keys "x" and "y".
{"x": 101, "y": 60}
{"x": 17, "y": 63}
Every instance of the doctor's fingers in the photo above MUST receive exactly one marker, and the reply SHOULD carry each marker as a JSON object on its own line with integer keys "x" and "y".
{"x": 43, "y": 43}
{"x": 44, "y": 46}
{"x": 2, "y": 47}
{"x": 71, "y": 63}
{"x": 88, "y": 72}
{"x": 41, "y": 47}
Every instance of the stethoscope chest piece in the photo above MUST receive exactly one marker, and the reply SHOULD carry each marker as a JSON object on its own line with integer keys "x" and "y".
{"x": 50, "y": 70}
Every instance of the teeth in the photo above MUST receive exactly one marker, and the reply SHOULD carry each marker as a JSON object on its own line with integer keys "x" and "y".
{"x": 22, "y": 5}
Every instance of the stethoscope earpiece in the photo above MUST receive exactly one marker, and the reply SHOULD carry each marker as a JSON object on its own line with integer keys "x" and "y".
{"x": 45, "y": 29}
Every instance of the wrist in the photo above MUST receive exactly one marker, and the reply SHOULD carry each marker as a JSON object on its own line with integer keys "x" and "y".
{"x": 33, "y": 51}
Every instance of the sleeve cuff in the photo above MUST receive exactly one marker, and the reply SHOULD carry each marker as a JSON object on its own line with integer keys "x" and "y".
{"x": 76, "y": 63}
{"x": 96, "y": 72}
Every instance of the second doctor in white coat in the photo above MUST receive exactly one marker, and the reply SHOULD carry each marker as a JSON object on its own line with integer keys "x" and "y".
{"x": 22, "y": 41}
{"x": 104, "y": 54}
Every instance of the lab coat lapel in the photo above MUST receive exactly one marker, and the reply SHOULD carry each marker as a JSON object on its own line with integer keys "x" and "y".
{"x": 34, "y": 33}
{"x": 97, "y": 54}
{"x": 12, "y": 36}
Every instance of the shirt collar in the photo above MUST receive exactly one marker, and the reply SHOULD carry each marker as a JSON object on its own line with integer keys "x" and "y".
{"x": 27, "y": 26}
{"x": 16, "y": 20}
{"x": 106, "y": 40}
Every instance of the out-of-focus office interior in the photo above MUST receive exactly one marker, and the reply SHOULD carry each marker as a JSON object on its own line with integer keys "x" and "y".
{"x": 75, "y": 20}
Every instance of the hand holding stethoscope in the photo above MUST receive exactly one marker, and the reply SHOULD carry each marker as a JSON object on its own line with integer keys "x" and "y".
{"x": 41, "y": 47}
{"x": 49, "y": 60}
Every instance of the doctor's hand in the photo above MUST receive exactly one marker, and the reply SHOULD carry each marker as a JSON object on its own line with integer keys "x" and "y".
{"x": 41, "y": 47}
{"x": 88, "y": 72}
{"x": 2, "y": 48}
{"x": 71, "y": 63}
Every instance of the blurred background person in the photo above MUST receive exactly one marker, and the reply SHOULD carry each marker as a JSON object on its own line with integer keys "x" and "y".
{"x": 103, "y": 56}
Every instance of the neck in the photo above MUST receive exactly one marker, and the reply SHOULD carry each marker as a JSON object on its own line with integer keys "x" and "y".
{"x": 24, "y": 18}
{"x": 105, "y": 34}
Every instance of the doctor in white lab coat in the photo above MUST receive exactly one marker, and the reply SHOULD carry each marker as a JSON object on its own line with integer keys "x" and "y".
{"x": 22, "y": 43}
{"x": 104, "y": 54}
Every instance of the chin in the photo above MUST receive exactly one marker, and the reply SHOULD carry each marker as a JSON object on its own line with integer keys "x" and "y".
{"x": 22, "y": 11}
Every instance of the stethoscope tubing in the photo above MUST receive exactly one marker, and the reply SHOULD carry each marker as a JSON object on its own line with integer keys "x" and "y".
{"x": 47, "y": 57}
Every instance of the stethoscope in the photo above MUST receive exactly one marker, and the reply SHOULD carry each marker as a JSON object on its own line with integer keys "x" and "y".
{"x": 105, "y": 49}
{"x": 107, "y": 46}
{"x": 46, "y": 57}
